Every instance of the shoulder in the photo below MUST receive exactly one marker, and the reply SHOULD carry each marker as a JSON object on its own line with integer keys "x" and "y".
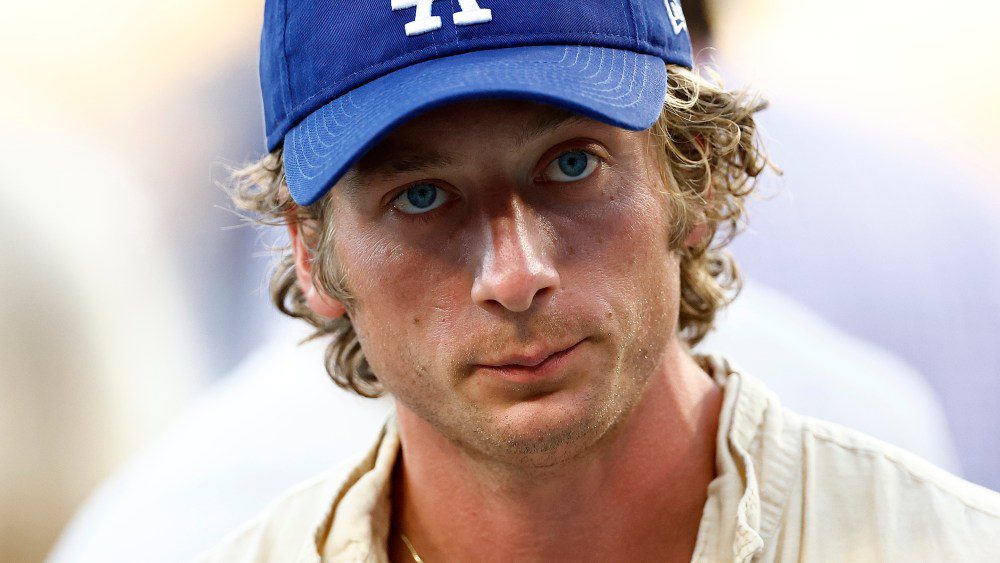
{"x": 288, "y": 525}
{"x": 300, "y": 525}
{"x": 856, "y": 489}
{"x": 857, "y": 456}
{"x": 826, "y": 492}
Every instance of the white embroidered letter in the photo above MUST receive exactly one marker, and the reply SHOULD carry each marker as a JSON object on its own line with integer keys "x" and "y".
{"x": 470, "y": 13}
{"x": 424, "y": 21}
{"x": 675, "y": 14}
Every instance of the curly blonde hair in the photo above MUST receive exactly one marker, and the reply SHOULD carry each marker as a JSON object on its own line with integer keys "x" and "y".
{"x": 710, "y": 157}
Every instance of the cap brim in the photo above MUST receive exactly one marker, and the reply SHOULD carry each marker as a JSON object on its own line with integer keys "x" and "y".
{"x": 621, "y": 88}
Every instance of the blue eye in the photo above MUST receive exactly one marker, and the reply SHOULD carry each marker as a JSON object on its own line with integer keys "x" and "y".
{"x": 420, "y": 198}
{"x": 571, "y": 166}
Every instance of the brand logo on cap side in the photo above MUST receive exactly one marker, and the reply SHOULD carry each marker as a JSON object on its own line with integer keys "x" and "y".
{"x": 469, "y": 13}
{"x": 676, "y": 16}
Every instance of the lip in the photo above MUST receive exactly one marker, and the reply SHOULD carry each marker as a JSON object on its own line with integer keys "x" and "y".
{"x": 523, "y": 368}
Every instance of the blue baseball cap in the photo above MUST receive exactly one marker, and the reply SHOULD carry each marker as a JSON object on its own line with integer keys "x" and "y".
{"x": 338, "y": 75}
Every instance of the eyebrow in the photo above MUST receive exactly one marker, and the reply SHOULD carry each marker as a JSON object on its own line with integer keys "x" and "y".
{"x": 552, "y": 119}
{"x": 391, "y": 157}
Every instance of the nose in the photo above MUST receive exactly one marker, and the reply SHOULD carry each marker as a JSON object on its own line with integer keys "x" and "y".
{"x": 516, "y": 268}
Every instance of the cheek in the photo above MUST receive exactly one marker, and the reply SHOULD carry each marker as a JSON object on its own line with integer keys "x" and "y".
{"x": 625, "y": 238}
{"x": 621, "y": 259}
{"x": 406, "y": 304}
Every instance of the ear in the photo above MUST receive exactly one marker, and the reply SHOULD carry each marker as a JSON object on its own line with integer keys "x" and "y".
{"x": 697, "y": 235}
{"x": 320, "y": 303}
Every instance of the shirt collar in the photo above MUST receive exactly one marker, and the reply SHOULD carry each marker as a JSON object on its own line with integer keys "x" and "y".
{"x": 356, "y": 528}
{"x": 755, "y": 461}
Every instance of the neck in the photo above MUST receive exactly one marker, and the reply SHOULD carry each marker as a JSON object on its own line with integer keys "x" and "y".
{"x": 638, "y": 495}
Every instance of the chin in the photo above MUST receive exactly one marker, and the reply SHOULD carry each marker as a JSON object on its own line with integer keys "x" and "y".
{"x": 547, "y": 431}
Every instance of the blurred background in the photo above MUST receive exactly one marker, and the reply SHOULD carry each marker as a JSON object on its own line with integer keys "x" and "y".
{"x": 127, "y": 288}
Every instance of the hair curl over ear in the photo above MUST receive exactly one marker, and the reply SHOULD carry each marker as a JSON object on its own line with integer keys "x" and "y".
{"x": 711, "y": 158}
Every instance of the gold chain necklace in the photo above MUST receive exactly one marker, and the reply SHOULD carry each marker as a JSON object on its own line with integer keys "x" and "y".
{"x": 409, "y": 546}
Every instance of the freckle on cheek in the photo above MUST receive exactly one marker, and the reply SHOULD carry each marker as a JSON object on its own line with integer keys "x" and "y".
{"x": 416, "y": 320}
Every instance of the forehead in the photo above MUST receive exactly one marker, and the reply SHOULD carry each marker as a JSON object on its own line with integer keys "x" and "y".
{"x": 511, "y": 123}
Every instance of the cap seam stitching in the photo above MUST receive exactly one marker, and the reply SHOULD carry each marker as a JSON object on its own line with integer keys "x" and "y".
{"x": 284, "y": 55}
{"x": 635, "y": 22}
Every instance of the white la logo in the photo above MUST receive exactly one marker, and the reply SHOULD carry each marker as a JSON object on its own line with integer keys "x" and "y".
{"x": 676, "y": 16}
{"x": 469, "y": 13}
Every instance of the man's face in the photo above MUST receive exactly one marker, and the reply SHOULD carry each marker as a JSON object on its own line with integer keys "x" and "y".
{"x": 513, "y": 281}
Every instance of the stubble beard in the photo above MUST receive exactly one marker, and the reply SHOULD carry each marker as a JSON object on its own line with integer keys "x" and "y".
{"x": 498, "y": 439}
{"x": 613, "y": 389}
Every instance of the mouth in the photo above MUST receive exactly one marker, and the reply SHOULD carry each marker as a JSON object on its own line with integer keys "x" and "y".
{"x": 528, "y": 367}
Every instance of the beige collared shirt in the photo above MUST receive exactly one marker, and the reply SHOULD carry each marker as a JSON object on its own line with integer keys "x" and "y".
{"x": 788, "y": 488}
